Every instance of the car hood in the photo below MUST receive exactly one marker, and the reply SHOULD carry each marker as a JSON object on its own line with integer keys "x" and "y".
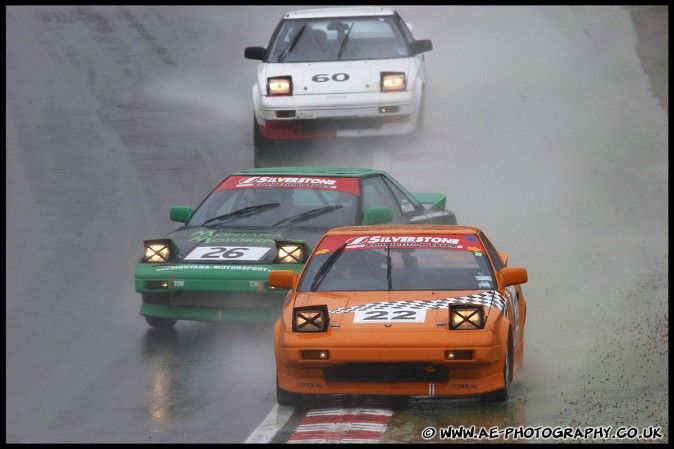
{"x": 342, "y": 77}
{"x": 205, "y": 245}
{"x": 346, "y": 307}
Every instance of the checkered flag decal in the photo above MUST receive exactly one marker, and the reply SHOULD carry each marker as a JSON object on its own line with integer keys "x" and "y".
{"x": 487, "y": 299}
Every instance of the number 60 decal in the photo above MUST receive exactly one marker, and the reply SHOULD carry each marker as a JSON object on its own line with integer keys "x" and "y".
{"x": 323, "y": 77}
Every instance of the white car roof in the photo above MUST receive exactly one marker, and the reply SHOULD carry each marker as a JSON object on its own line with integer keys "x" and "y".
{"x": 339, "y": 12}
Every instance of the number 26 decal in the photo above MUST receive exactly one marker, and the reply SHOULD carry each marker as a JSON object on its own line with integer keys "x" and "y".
{"x": 227, "y": 253}
{"x": 323, "y": 77}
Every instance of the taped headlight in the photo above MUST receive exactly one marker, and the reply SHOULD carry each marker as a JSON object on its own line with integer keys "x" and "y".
{"x": 393, "y": 81}
{"x": 157, "y": 251}
{"x": 466, "y": 317}
{"x": 291, "y": 252}
{"x": 310, "y": 319}
{"x": 280, "y": 85}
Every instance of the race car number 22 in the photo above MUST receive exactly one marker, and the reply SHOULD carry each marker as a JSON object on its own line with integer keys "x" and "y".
{"x": 214, "y": 253}
{"x": 389, "y": 315}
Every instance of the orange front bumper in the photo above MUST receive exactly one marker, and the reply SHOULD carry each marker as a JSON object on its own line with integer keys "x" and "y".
{"x": 428, "y": 348}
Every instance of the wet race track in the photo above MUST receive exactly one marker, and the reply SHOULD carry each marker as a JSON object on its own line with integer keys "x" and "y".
{"x": 547, "y": 126}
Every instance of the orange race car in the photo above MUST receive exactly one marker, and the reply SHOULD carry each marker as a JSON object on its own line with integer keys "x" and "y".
{"x": 400, "y": 310}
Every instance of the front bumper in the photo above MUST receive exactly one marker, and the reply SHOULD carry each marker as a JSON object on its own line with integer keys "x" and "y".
{"x": 209, "y": 292}
{"x": 393, "y": 363}
{"x": 214, "y": 315}
{"x": 348, "y": 115}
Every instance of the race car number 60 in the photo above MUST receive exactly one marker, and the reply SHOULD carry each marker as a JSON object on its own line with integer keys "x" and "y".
{"x": 323, "y": 77}
{"x": 227, "y": 253}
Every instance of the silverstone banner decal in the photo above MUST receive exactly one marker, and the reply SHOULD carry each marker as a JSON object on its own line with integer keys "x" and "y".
{"x": 455, "y": 241}
{"x": 348, "y": 185}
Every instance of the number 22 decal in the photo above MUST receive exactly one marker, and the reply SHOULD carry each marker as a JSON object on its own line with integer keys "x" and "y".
{"x": 390, "y": 315}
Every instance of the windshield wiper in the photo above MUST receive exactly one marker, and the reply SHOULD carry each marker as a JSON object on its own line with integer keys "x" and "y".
{"x": 341, "y": 46}
{"x": 388, "y": 266}
{"x": 291, "y": 45}
{"x": 309, "y": 214}
{"x": 245, "y": 212}
{"x": 326, "y": 267}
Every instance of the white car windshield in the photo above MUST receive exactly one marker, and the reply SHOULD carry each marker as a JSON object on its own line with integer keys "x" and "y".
{"x": 337, "y": 39}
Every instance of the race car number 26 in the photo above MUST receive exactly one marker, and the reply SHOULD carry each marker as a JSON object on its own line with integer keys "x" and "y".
{"x": 227, "y": 253}
{"x": 388, "y": 315}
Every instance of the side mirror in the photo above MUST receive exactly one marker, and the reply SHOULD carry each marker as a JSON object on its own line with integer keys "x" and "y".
{"x": 282, "y": 279}
{"x": 421, "y": 46}
{"x": 514, "y": 276}
{"x": 376, "y": 215}
{"x": 255, "y": 53}
{"x": 181, "y": 214}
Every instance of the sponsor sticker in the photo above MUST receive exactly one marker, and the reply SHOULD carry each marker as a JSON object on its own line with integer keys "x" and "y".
{"x": 387, "y": 314}
{"x": 225, "y": 253}
{"x": 342, "y": 184}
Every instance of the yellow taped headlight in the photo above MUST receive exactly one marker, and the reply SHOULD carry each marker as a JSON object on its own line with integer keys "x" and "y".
{"x": 310, "y": 319}
{"x": 157, "y": 251}
{"x": 466, "y": 317}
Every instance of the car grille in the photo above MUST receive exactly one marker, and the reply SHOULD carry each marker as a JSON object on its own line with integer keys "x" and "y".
{"x": 214, "y": 299}
{"x": 336, "y": 124}
{"x": 386, "y": 373}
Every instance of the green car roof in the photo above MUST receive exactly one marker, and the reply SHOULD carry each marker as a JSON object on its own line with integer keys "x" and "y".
{"x": 311, "y": 171}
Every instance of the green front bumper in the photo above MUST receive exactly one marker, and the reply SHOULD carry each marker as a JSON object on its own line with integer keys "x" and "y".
{"x": 210, "y": 292}
{"x": 233, "y": 315}
{"x": 166, "y": 278}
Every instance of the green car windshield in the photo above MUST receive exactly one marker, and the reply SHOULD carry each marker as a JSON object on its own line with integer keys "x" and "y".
{"x": 276, "y": 207}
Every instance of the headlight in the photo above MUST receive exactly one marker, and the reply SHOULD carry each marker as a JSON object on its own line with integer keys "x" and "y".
{"x": 393, "y": 81}
{"x": 310, "y": 319}
{"x": 291, "y": 252}
{"x": 157, "y": 251}
{"x": 280, "y": 86}
{"x": 466, "y": 317}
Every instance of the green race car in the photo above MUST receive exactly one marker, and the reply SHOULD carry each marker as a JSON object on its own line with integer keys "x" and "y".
{"x": 215, "y": 267}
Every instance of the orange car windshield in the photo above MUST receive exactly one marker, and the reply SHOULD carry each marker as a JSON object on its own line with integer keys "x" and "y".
{"x": 386, "y": 268}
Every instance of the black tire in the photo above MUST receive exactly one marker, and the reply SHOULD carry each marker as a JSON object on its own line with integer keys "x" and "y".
{"x": 160, "y": 323}
{"x": 419, "y": 129}
{"x": 503, "y": 394}
{"x": 421, "y": 118}
{"x": 260, "y": 142}
{"x": 287, "y": 398}
{"x": 262, "y": 147}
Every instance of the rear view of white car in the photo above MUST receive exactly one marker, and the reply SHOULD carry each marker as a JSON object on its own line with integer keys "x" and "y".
{"x": 346, "y": 72}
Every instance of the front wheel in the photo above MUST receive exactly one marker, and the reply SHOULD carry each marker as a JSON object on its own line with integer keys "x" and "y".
{"x": 287, "y": 398}
{"x": 160, "y": 323}
{"x": 418, "y": 131}
{"x": 260, "y": 142}
{"x": 503, "y": 394}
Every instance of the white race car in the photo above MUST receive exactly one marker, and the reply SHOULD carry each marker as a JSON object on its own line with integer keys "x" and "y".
{"x": 350, "y": 72}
